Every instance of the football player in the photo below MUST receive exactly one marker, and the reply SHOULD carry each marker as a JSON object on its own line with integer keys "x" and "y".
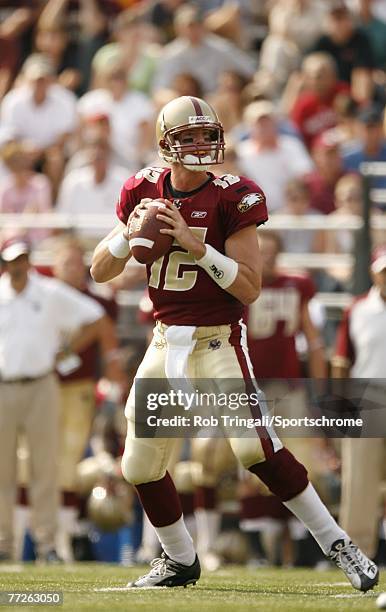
{"x": 198, "y": 290}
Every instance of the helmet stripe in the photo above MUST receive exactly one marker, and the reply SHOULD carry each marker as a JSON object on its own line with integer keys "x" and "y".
{"x": 197, "y": 108}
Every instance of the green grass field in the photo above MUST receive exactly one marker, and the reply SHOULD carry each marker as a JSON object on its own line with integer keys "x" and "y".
{"x": 101, "y": 587}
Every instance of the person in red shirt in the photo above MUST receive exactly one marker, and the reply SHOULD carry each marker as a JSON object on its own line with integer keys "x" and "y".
{"x": 313, "y": 112}
{"x": 199, "y": 289}
{"x": 280, "y": 313}
{"x": 328, "y": 170}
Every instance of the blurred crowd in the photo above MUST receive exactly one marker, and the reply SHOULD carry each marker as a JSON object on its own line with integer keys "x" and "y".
{"x": 300, "y": 87}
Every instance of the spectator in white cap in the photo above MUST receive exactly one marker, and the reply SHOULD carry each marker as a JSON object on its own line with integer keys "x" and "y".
{"x": 35, "y": 313}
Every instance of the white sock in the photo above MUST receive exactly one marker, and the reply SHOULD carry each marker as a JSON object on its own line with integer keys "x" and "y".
{"x": 309, "y": 508}
{"x": 177, "y": 542}
{"x": 208, "y": 527}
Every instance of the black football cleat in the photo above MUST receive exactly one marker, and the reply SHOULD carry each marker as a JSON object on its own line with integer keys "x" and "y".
{"x": 168, "y": 573}
{"x": 361, "y": 572}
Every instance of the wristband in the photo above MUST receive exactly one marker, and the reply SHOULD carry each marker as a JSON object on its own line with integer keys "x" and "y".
{"x": 221, "y": 269}
{"x": 118, "y": 246}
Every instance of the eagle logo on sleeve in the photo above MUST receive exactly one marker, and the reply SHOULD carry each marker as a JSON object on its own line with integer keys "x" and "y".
{"x": 249, "y": 200}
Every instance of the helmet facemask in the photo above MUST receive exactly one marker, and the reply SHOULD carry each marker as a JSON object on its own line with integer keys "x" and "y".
{"x": 195, "y": 157}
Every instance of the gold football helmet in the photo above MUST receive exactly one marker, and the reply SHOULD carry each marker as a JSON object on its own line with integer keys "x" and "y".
{"x": 187, "y": 114}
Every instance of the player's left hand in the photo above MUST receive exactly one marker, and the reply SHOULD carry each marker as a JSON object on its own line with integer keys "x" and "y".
{"x": 180, "y": 230}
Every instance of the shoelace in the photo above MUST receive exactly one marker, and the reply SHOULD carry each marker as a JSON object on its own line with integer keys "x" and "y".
{"x": 159, "y": 566}
{"x": 350, "y": 557}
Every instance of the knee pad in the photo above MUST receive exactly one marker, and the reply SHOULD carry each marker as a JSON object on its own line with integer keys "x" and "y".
{"x": 141, "y": 464}
{"x": 283, "y": 474}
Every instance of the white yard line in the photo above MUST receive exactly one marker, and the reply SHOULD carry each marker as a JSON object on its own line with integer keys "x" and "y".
{"x": 332, "y": 584}
{"x": 108, "y": 589}
{"x": 348, "y": 596}
{"x": 352, "y": 595}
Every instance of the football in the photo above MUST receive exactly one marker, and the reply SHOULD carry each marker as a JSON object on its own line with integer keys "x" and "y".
{"x": 146, "y": 242}
{"x": 381, "y": 601}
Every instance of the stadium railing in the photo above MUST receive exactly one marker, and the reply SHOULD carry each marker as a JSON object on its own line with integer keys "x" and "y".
{"x": 277, "y": 222}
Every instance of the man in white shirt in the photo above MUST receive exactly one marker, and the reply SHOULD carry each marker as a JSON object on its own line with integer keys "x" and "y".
{"x": 39, "y": 110}
{"x": 92, "y": 190}
{"x": 35, "y": 313}
{"x": 361, "y": 354}
{"x": 269, "y": 158}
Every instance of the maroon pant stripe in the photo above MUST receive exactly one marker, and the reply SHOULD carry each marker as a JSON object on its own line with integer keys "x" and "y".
{"x": 262, "y": 432}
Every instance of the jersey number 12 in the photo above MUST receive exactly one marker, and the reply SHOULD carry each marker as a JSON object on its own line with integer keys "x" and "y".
{"x": 174, "y": 280}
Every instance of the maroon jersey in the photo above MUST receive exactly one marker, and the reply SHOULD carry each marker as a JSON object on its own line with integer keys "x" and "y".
{"x": 181, "y": 291}
{"x": 322, "y": 193}
{"x": 273, "y": 322}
